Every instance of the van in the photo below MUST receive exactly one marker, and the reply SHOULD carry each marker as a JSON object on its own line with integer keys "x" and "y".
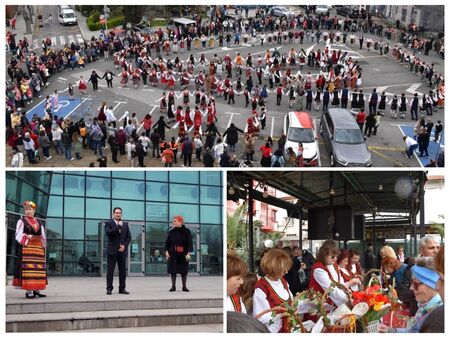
{"x": 343, "y": 139}
{"x": 67, "y": 17}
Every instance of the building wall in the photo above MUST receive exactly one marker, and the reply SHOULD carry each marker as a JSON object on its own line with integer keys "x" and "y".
{"x": 79, "y": 202}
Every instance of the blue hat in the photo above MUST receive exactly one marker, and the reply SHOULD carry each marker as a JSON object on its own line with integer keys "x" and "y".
{"x": 426, "y": 276}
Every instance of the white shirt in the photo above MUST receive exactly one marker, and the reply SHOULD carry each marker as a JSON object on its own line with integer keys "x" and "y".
{"x": 410, "y": 142}
{"x": 345, "y": 272}
{"x": 260, "y": 303}
{"x": 229, "y": 305}
{"x": 321, "y": 276}
{"x": 17, "y": 160}
{"x": 110, "y": 116}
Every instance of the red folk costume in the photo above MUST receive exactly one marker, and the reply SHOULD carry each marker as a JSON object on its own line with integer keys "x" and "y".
{"x": 275, "y": 300}
{"x": 82, "y": 86}
{"x": 197, "y": 120}
{"x": 170, "y": 80}
{"x": 236, "y": 301}
{"x": 30, "y": 271}
{"x": 124, "y": 78}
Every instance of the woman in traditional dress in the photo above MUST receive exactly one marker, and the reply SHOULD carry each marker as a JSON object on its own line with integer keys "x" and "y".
{"x": 82, "y": 86}
{"x": 30, "y": 273}
{"x": 236, "y": 271}
{"x": 272, "y": 290}
{"x": 178, "y": 247}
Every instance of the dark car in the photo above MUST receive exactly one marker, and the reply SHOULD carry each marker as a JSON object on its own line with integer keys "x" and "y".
{"x": 347, "y": 11}
{"x": 343, "y": 139}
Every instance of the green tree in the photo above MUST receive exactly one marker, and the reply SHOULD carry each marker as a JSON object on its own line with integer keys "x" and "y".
{"x": 133, "y": 14}
{"x": 236, "y": 228}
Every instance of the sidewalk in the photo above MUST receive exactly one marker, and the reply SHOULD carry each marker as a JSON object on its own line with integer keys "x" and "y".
{"x": 93, "y": 289}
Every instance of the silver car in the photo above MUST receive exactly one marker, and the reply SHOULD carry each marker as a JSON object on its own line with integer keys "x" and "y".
{"x": 343, "y": 139}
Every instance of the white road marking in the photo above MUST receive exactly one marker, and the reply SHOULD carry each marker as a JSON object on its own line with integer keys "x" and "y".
{"x": 82, "y": 101}
{"x": 71, "y": 39}
{"x": 62, "y": 78}
{"x": 271, "y": 128}
{"x": 319, "y": 161}
{"x": 413, "y": 87}
{"x": 62, "y": 39}
{"x": 153, "y": 109}
{"x": 54, "y": 42}
{"x": 80, "y": 38}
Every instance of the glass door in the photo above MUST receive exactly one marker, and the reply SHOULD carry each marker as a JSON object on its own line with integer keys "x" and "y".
{"x": 194, "y": 264}
{"x": 136, "y": 250}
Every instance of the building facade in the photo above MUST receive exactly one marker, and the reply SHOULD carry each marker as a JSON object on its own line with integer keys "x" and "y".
{"x": 74, "y": 206}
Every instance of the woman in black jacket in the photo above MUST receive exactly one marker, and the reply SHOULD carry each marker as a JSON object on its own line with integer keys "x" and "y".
{"x": 178, "y": 246}
{"x": 232, "y": 137}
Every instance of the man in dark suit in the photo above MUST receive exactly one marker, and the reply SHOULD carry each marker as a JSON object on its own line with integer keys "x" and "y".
{"x": 119, "y": 238}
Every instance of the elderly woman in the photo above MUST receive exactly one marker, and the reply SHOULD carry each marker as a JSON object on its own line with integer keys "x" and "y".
{"x": 236, "y": 271}
{"x": 178, "y": 247}
{"x": 30, "y": 273}
{"x": 402, "y": 275}
{"x": 423, "y": 283}
{"x": 272, "y": 290}
{"x": 434, "y": 323}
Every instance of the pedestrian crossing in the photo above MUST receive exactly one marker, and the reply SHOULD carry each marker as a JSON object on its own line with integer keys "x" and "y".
{"x": 59, "y": 41}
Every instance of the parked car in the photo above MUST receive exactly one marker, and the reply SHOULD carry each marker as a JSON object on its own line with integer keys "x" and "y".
{"x": 67, "y": 17}
{"x": 343, "y": 139}
{"x": 299, "y": 128}
{"x": 281, "y": 11}
{"x": 323, "y": 10}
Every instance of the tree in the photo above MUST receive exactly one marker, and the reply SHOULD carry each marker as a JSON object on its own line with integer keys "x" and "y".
{"x": 133, "y": 14}
{"x": 236, "y": 228}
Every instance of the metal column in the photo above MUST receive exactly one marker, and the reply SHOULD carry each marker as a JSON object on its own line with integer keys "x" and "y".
{"x": 251, "y": 262}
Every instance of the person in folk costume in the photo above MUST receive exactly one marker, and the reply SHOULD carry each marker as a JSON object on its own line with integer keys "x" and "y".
{"x": 211, "y": 114}
{"x": 30, "y": 271}
{"x": 117, "y": 58}
{"x": 263, "y": 117}
{"x": 200, "y": 79}
{"x": 82, "y": 85}
{"x": 182, "y": 128}
{"x": 136, "y": 76}
{"x": 188, "y": 117}
{"x": 186, "y": 95}
{"x": 350, "y": 281}
{"x": 184, "y": 79}
{"x": 272, "y": 290}
{"x": 361, "y": 100}
{"x": 179, "y": 114}
{"x": 163, "y": 103}
{"x": 325, "y": 271}
{"x": 197, "y": 96}
{"x": 164, "y": 78}
{"x": 203, "y": 100}
{"x": 124, "y": 77}
{"x": 382, "y": 104}
{"x": 55, "y": 103}
{"x": 335, "y": 101}
{"x": 170, "y": 80}
{"x": 153, "y": 77}
{"x": 403, "y": 104}
{"x": 178, "y": 246}
{"x": 236, "y": 271}
{"x": 197, "y": 120}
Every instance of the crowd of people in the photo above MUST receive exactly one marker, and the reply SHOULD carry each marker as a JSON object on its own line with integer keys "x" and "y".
{"x": 322, "y": 78}
{"x": 283, "y": 272}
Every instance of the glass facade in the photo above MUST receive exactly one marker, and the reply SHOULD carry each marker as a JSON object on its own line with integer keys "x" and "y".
{"x": 76, "y": 204}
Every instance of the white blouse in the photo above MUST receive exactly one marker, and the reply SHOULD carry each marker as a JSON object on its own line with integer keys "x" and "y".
{"x": 260, "y": 304}
{"x": 229, "y": 305}
{"x": 321, "y": 276}
{"x": 20, "y": 234}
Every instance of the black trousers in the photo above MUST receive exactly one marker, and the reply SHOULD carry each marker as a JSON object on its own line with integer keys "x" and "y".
{"x": 121, "y": 260}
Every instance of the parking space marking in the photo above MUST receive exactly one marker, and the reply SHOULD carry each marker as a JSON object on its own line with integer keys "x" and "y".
{"x": 317, "y": 138}
{"x": 271, "y": 128}
{"x": 415, "y": 155}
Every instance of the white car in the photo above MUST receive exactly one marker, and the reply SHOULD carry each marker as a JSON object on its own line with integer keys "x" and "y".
{"x": 67, "y": 17}
{"x": 280, "y": 11}
{"x": 299, "y": 128}
{"x": 323, "y": 10}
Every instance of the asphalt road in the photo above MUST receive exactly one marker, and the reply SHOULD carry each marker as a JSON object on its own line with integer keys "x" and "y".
{"x": 378, "y": 72}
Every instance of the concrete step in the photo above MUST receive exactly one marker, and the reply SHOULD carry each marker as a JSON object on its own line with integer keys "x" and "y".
{"x": 211, "y": 328}
{"x": 66, "y": 321}
{"x": 49, "y": 305}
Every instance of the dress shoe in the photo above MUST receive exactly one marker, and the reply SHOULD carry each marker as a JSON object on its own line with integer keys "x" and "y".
{"x": 29, "y": 295}
{"x": 172, "y": 289}
{"x": 185, "y": 289}
{"x": 38, "y": 294}
{"x": 124, "y": 292}
{"x": 108, "y": 292}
